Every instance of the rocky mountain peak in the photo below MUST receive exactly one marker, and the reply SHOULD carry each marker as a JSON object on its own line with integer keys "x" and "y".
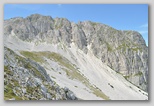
{"x": 123, "y": 51}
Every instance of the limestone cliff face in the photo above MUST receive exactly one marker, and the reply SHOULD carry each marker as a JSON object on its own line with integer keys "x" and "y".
{"x": 123, "y": 51}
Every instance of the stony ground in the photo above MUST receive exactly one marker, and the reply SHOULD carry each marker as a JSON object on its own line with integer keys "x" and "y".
{"x": 24, "y": 79}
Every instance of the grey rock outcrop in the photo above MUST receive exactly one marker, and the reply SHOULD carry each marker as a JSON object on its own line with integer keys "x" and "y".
{"x": 123, "y": 51}
{"x": 25, "y": 79}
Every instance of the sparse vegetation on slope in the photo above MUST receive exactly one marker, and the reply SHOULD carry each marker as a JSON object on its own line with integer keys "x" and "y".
{"x": 71, "y": 70}
{"x": 25, "y": 79}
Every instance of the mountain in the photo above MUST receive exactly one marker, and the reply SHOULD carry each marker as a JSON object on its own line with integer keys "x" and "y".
{"x": 93, "y": 60}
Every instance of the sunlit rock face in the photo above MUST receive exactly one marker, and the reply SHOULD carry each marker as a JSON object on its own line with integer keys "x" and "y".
{"x": 125, "y": 52}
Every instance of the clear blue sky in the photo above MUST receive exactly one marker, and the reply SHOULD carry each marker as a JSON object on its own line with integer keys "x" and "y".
{"x": 119, "y": 16}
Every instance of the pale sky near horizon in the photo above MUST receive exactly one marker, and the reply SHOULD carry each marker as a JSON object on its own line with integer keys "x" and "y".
{"x": 118, "y": 16}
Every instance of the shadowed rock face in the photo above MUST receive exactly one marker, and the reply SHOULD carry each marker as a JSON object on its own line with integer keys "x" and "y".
{"x": 123, "y": 51}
